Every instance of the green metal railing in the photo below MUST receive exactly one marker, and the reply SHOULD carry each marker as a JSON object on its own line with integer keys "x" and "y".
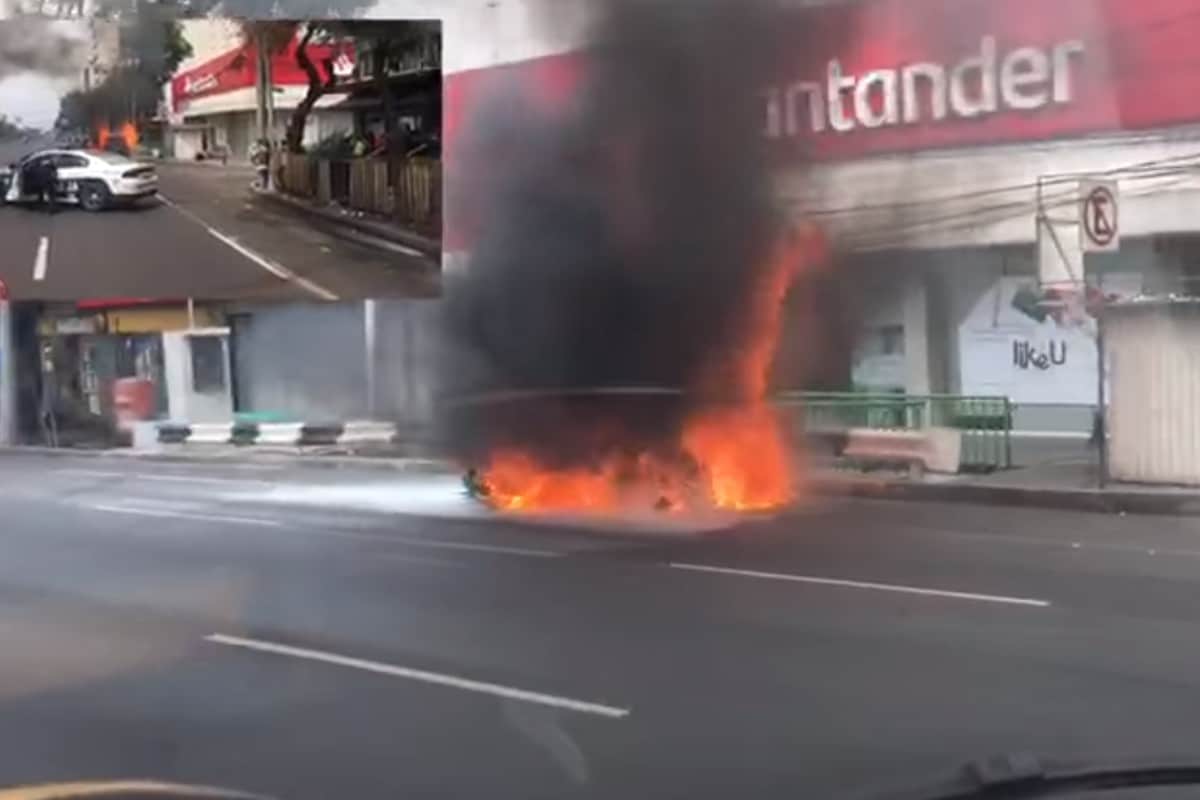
{"x": 985, "y": 421}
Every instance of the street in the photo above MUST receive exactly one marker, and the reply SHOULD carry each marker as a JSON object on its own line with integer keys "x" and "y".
{"x": 317, "y": 633}
{"x": 205, "y": 237}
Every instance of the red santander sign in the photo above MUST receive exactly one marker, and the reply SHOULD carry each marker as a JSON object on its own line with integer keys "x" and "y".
{"x": 902, "y": 75}
{"x": 880, "y": 76}
{"x": 873, "y": 77}
{"x": 235, "y": 69}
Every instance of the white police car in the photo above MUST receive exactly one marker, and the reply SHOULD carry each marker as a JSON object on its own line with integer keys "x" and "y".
{"x": 94, "y": 179}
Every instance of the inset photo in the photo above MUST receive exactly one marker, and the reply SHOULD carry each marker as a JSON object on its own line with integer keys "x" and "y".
{"x": 147, "y": 153}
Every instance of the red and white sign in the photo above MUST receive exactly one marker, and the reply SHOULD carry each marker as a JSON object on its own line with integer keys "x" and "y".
{"x": 894, "y": 76}
{"x": 235, "y": 69}
{"x": 1099, "y": 223}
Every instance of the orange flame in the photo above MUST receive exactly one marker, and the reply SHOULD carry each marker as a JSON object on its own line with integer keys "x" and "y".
{"x": 127, "y": 132}
{"x": 734, "y": 456}
{"x": 130, "y": 134}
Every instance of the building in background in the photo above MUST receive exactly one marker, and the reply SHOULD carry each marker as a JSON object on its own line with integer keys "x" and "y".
{"x": 104, "y": 51}
{"x": 412, "y": 79}
{"x": 212, "y": 102}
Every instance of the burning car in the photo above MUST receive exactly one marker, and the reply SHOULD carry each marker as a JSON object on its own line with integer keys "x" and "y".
{"x": 93, "y": 179}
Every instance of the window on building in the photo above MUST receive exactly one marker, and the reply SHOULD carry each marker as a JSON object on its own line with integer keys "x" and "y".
{"x": 208, "y": 364}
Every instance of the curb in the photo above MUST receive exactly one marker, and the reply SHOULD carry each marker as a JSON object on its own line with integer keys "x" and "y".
{"x": 1099, "y": 501}
{"x": 290, "y": 457}
{"x": 372, "y": 230}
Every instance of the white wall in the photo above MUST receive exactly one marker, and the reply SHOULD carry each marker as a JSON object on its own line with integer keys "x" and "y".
{"x": 1155, "y": 380}
{"x": 988, "y": 195}
{"x": 184, "y": 404}
{"x": 209, "y": 38}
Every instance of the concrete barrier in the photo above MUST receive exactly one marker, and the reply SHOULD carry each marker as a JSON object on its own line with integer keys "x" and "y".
{"x": 210, "y": 433}
{"x": 279, "y": 434}
{"x": 368, "y": 432}
{"x": 934, "y": 449}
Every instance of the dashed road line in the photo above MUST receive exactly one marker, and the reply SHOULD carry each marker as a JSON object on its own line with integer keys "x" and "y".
{"x": 869, "y": 585}
{"x": 41, "y": 260}
{"x": 278, "y": 270}
{"x": 422, "y": 676}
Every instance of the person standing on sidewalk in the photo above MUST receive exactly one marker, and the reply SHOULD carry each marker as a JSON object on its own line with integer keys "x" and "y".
{"x": 260, "y": 157}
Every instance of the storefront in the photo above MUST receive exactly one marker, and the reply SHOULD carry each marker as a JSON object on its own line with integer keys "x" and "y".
{"x": 87, "y": 348}
{"x": 213, "y": 98}
{"x": 946, "y": 157}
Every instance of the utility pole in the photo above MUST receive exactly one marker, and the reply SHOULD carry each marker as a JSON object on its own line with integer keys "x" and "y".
{"x": 265, "y": 99}
{"x": 8, "y": 372}
{"x": 1101, "y": 395}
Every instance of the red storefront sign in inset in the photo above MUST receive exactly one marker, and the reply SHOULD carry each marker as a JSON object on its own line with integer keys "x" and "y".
{"x": 236, "y": 70}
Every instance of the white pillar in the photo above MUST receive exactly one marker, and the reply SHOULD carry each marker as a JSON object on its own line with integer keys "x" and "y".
{"x": 926, "y": 338}
{"x": 8, "y": 376}
{"x": 371, "y": 352}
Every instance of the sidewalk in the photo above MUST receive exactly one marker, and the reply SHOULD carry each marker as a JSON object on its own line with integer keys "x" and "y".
{"x": 362, "y": 224}
{"x": 1065, "y": 485}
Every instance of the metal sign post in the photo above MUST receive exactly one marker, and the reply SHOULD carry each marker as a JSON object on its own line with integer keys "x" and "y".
{"x": 1100, "y": 232}
{"x": 8, "y": 372}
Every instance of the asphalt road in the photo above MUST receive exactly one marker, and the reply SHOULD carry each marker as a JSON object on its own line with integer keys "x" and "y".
{"x": 314, "y": 634}
{"x": 205, "y": 237}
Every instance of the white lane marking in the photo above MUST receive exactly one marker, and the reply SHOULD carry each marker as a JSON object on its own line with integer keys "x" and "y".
{"x": 163, "y": 513}
{"x": 436, "y": 678}
{"x": 42, "y": 259}
{"x": 524, "y": 552}
{"x": 527, "y": 552}
{"x": 880, "y": 587}
{"x": 278, "y": 270}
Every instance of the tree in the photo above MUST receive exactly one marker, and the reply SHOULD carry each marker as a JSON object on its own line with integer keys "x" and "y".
{"x": 14, "y": 128}
{"x": 387, "y": 39}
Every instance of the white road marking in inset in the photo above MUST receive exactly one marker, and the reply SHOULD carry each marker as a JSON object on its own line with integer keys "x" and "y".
{"x": 278, "y": 270}
{"x": 439, "y": 679}
{"x": 42, "y": 259}
{"x": 880, "y": 587}
{"x": 163, "y": 513}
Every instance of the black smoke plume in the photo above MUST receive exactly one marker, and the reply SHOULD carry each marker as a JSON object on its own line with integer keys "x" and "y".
{"x": 39, "y": 45}
{"x": 616, "y": 245}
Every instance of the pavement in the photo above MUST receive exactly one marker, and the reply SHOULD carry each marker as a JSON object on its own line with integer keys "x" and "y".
{"x": 207, "y": 236}
{"x": 317, "y": 634}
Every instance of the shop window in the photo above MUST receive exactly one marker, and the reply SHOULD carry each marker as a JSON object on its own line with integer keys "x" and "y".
{"x": 208, "y": 364}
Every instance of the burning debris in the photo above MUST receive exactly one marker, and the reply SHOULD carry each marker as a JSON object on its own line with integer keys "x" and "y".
{"x": 123, "y": 139}
{"x": 634, "y": 244}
